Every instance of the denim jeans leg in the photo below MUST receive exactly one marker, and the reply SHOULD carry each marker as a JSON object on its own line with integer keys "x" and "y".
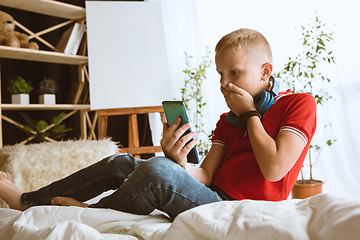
{"x": 107, "y": 174}
{"x": 162, "y": 184}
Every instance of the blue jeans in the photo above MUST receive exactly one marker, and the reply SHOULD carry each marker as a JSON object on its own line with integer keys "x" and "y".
{"x": 141, "y": 186}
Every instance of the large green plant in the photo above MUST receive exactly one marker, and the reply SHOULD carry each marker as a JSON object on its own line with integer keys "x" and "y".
{"x": 303, "y": 72}
{"x": 191, "y": 95}
{"x": 56, "y": 132}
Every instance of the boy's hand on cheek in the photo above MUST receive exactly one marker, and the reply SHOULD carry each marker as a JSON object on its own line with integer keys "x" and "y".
{"x": 174, "y": 144}
{"x": 238, "y": 99}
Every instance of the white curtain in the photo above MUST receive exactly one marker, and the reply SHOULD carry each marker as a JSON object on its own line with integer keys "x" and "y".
{"x": 191, "y": 25}
{"x": 181, "y": 28}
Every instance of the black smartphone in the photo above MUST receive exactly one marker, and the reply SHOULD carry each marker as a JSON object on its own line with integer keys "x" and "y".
{"x": 173, "y": 110}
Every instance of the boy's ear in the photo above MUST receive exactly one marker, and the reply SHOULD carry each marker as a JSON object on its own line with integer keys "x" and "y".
{"x": 266, "y": 71}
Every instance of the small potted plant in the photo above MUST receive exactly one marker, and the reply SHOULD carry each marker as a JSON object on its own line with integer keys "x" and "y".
{"x": 193, "y": 99}
{"x": 20, "y": 90}
{"x": 47, "y": 89}
{"x": 301, "y": 74}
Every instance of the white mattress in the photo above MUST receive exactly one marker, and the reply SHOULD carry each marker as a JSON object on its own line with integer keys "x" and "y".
{"x": 320, "y": 217}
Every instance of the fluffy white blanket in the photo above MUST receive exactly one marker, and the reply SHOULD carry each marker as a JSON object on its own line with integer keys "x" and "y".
{"x": 35, "y": 165}
{"x": 320, "y": 217}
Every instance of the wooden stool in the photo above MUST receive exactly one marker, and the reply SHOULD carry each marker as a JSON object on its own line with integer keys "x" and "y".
{"x": 134, "y": 143}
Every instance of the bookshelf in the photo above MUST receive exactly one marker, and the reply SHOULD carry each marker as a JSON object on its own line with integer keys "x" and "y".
{"x": 41, "y": 56}
{"x": 71, "y": 14}
{"x": 48, "y": 7}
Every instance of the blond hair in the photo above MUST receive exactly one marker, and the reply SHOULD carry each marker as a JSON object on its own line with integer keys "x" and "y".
{"x": 251, "y": 42}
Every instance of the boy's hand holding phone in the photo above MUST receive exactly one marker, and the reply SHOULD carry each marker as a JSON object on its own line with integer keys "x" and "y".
{"x": 175, "y": 146}
{"x": 178, "y": 144}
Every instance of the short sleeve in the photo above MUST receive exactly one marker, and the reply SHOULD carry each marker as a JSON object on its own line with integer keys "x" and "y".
{"x": 218, "y": 137}
{"x": 300, "y": 116}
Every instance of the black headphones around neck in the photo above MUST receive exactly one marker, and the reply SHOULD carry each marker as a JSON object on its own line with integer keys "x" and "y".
{"x": 263, "y": 101}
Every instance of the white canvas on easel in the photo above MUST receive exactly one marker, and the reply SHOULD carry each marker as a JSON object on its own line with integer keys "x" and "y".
{"x": 127, "y": 55}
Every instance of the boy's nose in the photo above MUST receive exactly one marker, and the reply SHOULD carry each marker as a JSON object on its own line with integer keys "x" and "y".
{"x": 224, "y": 82}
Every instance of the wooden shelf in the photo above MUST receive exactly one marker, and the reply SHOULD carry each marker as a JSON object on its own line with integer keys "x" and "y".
{"x": 47, "y": 7}
{"x": 41, "y": 56}
{"x": 45, "y": 107}
{"x": 56, "y": 9}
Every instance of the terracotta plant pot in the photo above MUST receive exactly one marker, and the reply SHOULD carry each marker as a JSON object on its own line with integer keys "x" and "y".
{"x": 306, "y": 189}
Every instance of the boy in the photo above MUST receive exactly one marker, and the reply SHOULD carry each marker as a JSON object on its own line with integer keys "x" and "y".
{"x": 260, "y": 159}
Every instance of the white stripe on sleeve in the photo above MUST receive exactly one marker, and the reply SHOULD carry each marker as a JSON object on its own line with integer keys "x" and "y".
{"x": 296, "y": 131}
{"x": 218, "y": 142}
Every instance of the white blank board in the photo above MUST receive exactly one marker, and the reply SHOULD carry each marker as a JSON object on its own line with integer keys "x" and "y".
{"x": 127, "y": 55}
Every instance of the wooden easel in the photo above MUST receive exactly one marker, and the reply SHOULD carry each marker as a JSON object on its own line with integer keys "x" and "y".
{"x": 134, "y": 143}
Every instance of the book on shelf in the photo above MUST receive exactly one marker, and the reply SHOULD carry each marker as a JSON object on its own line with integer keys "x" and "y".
{"x": 83, "y": 46}
{"x": 77, "y": 40}
{"x": 71, "y": 39}
{"x": 60, "y": 47}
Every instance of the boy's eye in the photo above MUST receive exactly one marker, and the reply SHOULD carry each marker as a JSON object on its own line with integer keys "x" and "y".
{"x": 234, "y": 72}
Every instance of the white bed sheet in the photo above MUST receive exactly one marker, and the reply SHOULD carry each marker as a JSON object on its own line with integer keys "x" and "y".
{"x": 320, "y": 217}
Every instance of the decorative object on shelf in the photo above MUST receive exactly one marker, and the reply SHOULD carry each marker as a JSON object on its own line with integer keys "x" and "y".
{"x": 20, "y": 90}
{"x": 47, "y": 89}
{"x": 193, "y": 99}
{"x": 10, "y": 37}
{"x": 57, "y": 130}
{"x": 304, "y": 70}
{"x": 71, "y": 39}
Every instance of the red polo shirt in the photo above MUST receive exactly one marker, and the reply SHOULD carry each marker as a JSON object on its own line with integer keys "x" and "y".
{"x": 239, "y": 176}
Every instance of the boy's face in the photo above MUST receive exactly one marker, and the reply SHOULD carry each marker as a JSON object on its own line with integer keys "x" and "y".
{"x": 236, "y": 68}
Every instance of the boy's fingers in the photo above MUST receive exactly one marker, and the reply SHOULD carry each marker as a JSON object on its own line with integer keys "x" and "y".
{"x": 175, "y": 124}
{"x": 169, "y": 130}
{"x": 189, "y": 146}
{"x": 184, "y": 140}
{"x": 172, "y": 134}
{"x": 180, "y": 131}
{"x": 236, "y": 89}
{"x": 165, "y": 125}
{"x": 183, "y": 128}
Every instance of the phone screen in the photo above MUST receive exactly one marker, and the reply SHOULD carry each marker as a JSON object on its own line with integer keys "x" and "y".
{"x": 173, "y": 110}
